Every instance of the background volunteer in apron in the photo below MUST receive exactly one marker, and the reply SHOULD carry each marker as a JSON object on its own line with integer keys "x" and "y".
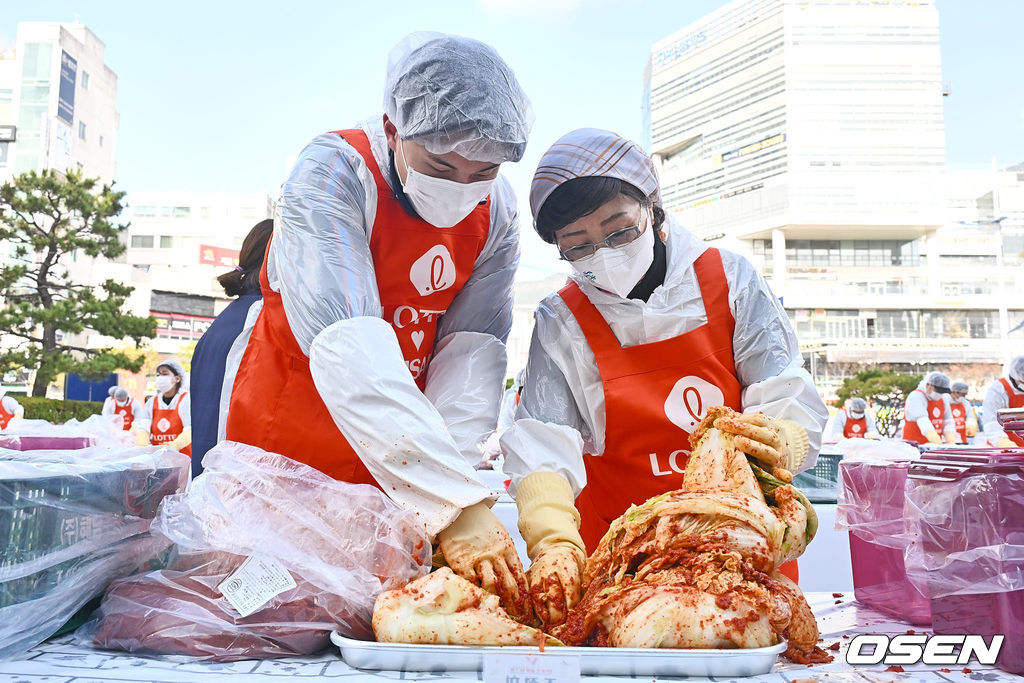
{"x": 9, "y": 409}
{"x": 167, "y": 418}
{"x": 1005, "y": 392}
{"x": 964, "y": 420}
{"x": 653, "y": 329}
{"x": 926, "y": 413}
{"x": 121, "y": 403}
{"x": 378, "y": 356}
{"x": 852, "y": 422}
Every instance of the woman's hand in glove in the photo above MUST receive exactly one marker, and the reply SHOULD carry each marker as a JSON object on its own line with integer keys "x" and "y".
{"x": 780, "y": 444}
{"x": 555, "y": 580}
{"x": 478, "y": 548}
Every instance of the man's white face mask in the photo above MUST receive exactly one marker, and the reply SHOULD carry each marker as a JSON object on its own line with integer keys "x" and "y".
{"x": 442, "y": 203}
{"x": 619, "y": 269}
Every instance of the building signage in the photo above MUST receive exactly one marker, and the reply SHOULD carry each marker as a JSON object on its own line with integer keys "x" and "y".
{"x": 66, "y": 93}
{"x": 755, "y": 147}
{"x": 680, "y": 47}
{"x": 8, "y": 133}
{"x": 217, "y": 256}
{"x": 180, "y": 326}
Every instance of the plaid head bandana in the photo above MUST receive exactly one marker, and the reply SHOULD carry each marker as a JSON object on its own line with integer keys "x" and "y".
{"x": 592, "y": 152}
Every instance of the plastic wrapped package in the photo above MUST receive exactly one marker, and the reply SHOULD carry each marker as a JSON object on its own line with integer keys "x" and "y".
{"x": 96, "y": 430}
{"x": 70, "y": 523}
{"x": 337, "y": 546}
{"x": 870, "y": 506}
{"x": 970, "y": 554}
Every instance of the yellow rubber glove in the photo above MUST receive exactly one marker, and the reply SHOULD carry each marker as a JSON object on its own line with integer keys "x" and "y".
{"x": 549, "y": 523}
{"x": 952, "y": 437}
{"x": 1005, "y": 443}
{"x": 971, "y": 430}
{"x": 780, "y": 444}
{"x": 478, "y": 548}
{"x": 872, "y": 435}
{"x": 933, "y": 437}
{"x": 141, "y": 437}
{"x": 183, "y": 440}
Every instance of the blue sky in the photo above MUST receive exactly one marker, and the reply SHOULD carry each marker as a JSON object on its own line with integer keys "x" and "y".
{"x": 222, "y": 96}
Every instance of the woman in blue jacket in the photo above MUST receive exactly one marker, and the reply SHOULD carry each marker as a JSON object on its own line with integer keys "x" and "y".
{"x": 213, "y": 373}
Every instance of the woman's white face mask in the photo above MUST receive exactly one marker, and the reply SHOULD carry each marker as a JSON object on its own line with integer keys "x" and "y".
{"x": 442, "y": 203}
{"x": 619, "y": 269}
{"x": 164, "y": 383}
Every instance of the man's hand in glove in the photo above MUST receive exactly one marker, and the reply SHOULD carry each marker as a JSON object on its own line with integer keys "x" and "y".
{"x": 1005, "y": 443}
{"x": 933, "y": 437}
{"x": 971, "y": 430}
{"x": 478, "y": 548}
{"x": 555, "y": 582}
{"x": 141, "y": 438}
{"x": 780, "y": 444}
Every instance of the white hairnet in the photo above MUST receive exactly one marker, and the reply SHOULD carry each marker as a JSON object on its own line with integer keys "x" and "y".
{"x": 111, "y": 390}
{"x": 959, "y": 387}
{"x": 175, "y": 367}
{"x": 120, "y": 394}
{"x": 1017, "y": 368}
{"x": 455, "y": 94}
{"x": 858, "y": 406}
{"x": 938, "y": 380}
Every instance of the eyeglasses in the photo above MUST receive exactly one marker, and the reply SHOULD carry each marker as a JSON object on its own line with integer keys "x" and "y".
{"x": 619, "y": 238}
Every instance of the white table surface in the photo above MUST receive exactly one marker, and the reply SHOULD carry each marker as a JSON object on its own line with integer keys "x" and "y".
{"x": 61, "y": 661}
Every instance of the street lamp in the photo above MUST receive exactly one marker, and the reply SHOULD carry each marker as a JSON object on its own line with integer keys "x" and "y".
{"x": 1004, "y": 316}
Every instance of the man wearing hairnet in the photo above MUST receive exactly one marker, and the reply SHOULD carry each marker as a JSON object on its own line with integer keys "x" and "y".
{"x": 1005, "y": 392}
{"x": 654, "y": 328}
{"x": 167, "y": 417}
{"x": 378, "y": 356}
{"x": 964, "y": 420}
{"x": 852, "y": 422}
{"x": 926, "y": 413}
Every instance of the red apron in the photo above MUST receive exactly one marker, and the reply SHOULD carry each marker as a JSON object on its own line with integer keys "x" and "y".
{"x": 5, "y": 417}
{"x": 419, "y": 270}
{"x": 855, "y": 429}
{"x": 167, "y": 425}
{"x": 655, "y": 394}
{"x": 1015, "y": 401}
{"x": 959, "y": 411}
{"x": 936, "y": 413}
{"x": 126, "y": 413}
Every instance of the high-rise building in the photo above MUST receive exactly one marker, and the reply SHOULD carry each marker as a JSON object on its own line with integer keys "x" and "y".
{"x": 809, "y": 135}
{"x": 178, "y": 243}
{"x": 58, "y": 102}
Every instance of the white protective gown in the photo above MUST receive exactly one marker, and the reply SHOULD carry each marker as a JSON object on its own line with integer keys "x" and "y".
{"x": 916, "y": 410}
{"x": 996, "y": 399}
{"x": 561, "y": 411}
{"x": 321, "y": 264}
{"x": 837, "y": 424}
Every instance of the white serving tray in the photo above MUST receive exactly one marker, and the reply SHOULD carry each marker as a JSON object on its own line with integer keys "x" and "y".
{"x": 594, "y": 661}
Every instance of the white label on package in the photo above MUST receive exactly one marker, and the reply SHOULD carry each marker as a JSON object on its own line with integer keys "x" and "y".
{"x": 542, "y": 668}
{"x": 255, "y": 583}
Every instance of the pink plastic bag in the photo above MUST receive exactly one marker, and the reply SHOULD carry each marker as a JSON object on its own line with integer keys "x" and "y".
{"x": 342, "y": 544}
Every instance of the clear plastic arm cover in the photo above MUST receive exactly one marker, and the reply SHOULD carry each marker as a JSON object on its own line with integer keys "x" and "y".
{"x": 341, "y": 543}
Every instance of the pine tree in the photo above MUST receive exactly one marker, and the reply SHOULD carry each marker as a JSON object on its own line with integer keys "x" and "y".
{"x": 47, "y": 217}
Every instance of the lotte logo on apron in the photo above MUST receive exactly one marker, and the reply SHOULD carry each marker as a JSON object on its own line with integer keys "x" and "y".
{"x": 689, "y": 400}
{"x": 434, "y": 271}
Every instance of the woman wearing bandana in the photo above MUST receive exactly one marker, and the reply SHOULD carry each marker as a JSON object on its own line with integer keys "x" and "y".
{"x": 653, "y": 328}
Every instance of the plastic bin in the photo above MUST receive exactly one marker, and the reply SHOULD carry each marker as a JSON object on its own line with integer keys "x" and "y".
{"x": 15, "y": 442}
{"x": 971, "y": 519}
{"x": 871, "y": 496}
{"x": 819, "y": 483}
